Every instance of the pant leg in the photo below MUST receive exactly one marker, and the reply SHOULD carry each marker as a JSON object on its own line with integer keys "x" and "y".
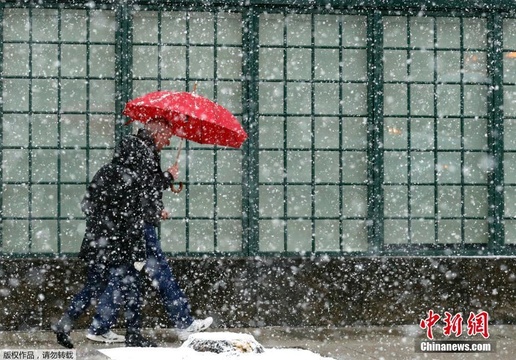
{"x": 158, "y": 269}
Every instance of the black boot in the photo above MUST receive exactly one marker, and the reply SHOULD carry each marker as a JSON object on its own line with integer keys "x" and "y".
{"x": 63, "y": 337}
{"x": 137, "y": 340}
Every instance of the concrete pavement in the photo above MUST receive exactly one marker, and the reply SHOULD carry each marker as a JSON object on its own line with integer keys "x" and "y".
{"x": 358, "y": 343}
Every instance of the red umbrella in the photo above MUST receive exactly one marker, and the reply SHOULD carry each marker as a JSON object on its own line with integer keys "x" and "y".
{"x": 192, "y": 117}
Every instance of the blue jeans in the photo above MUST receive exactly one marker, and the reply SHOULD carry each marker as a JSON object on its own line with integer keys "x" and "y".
{"x": 159, "y": 271}
{"x": 123, "y": 288}
{"x": 96, "y": 282}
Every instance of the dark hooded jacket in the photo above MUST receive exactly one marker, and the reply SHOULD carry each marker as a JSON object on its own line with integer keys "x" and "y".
{"x": 122, "y": 196}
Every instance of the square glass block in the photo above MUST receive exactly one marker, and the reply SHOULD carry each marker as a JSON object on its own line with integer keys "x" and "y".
{"x": 16, "y": 24}
{"x": 271, "y": 29}
{"x": 422, "y": 134}
{"x": 449, "y": 231}
{"x": 44, "y": 95}
{"x": 354, "y": 31}
{"x": 449, "y": 134}
{"x": 449, "y": 66}
{"x": 271, "y": 132}
{"x": 202, "y": 26}
{"x": 422, "y": 231}
{"x": 74, "y": 23}
{"x": 395, "y": 232}
{"x": 271, "y": 63}
{"x": 73, "y": 60}
{"x": 45, "y": 25}
{"x": 327, "y": 64}
{"x": 476, "y": 231}
{"x": 448, "y": 100}
{"x": 395, "y": 99}
{"x": 326, "y": 96}
{"x": 327, "y": 133}
{"x": 475, "y": 66}
{"x": 510, "y": 201}
{"x": 422, "y": 201}
{"x": 44, "y": 130}
{"x": 229, "y": 28}
{"x": 354, "y": 236}
{"x": 509, "y": 134}
{"x": 173, "y": 236}
{"x": 449, "y": 167}
{"x": 449, "y": 201}
{"x": 103, "y": 26}
{"x": 475, "y": 100}
{"x": 173, "y": 61}
{"x": 15, "y": 237}
{"x": 422, "y": 32}
{"x": 422, "y": 100}
{"x": 299, "y": 132}
{"x": 475, "y": 201}
{"x": 354, "y": 99}
{"x": 229, "y": 63}
{"x": 199, "y": 197}
{"x": 476, "y": 167}
{"x": 16, "y": 59}
{"x": 354, "y": 133}
{"x": 269, "y": 93}
{"x": 354, "y": 201}
{"x": 475, "y": 33}
{"x": 98, "y": 158}
{"x": 509, "y": 100}
{"x": 70, "y": 200}
{"x": 229, "y": 95}
{"x": 395, "y": 31}
{"x": 102, "y": 130}
{"x": 326, "y": 30}
{"x": 45, "y": 60}
{"x": 271, "y": 200}
{"x": 229, "y": 200}
{"x": 271, "y": 168}
{"x": 448, "y": 32}
{"x": 73, "y": 165}
{"x": 327, "y": 235}
{"x": 15, "y": 130}
{"x": 354, "y": 66}
{"x": 395, "y": 133}
{"x": 15, "y": 165}
{"x": 298, "y": 29}
{"x": 173, "y": 27}
{"x": 145, "y": 61}
{"x": 509, "y": 67}
{"x": 201, "y": 236}
{"x": 326, "y": 198}
{"x": 299, "y": 235}
{"x": 422, "y": 167}
{"x": 201, "y": 165}
{"x": 15, "y": 201}
{"x": 44, "y": 165}
{"x": 16, "y": 95}
{"x": 229, "y": 166}
{"x": 395, "y": 65}
{"x": 395, "y": 201}
{"x": 176, "y": 203}
{"x": 145, "y": 27}
{"x": 395, "y": 167}
{"x": 102, "y": 61}
{"x": 74, "y": 95}
{"x": 422, "y": 65}
{"x": 475, "y": 134}
{"x": 327, "y": 167}
{"x": 299, "y": 164}
{"x": 102, "y": 95}
{"x": 229, "y": 235}
{"x": 299, "y": 64}
{"x": 354, "y": 167}
{"x": 44, "y": 201}
{"x": 203, "y": 62}
{"x": 510, "y": 231}
{"x": 272, "y": 235}
{"x": 71, "y": 234}
{"x": 299, "y": 200}
{"x": 509, "y": 36}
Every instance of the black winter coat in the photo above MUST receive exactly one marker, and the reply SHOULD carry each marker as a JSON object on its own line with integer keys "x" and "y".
{"x": 120, "y": 198}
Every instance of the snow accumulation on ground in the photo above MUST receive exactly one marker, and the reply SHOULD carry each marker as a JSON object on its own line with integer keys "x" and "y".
{"x": 225, "y": 345}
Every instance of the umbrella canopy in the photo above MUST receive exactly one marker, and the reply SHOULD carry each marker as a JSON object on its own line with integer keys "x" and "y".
{"x": 191, "y": 116}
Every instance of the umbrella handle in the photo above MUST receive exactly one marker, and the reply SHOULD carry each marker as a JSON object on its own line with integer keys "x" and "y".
{"x": 178, "y": 189}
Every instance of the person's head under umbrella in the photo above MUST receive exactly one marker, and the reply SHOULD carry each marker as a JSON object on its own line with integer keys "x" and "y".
{"x": 160, "y": 131}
